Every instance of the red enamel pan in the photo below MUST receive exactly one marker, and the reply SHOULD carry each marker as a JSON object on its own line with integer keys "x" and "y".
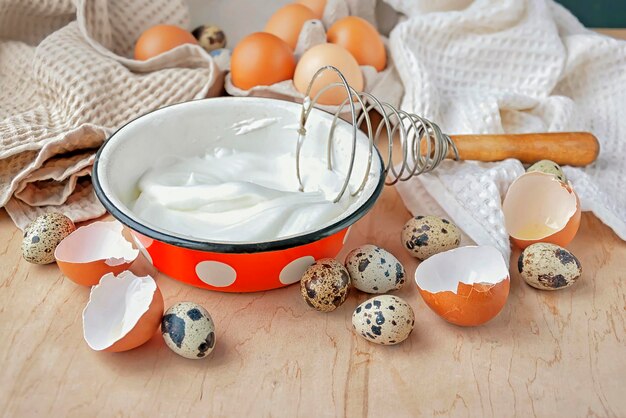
{"x": 190, "y": 129}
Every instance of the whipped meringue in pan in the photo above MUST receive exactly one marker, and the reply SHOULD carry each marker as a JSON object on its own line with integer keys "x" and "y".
{"x": 209, "y": 190}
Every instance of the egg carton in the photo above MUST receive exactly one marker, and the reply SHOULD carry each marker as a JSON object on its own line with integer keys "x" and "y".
{"x": 228, "y": 16}
{"x": 385, "y": 85}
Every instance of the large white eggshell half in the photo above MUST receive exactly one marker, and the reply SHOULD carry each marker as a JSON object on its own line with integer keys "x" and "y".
{"x": 466, "y": 286}
{"x": 115, "y": 307}
{"x": 469, "y": 265}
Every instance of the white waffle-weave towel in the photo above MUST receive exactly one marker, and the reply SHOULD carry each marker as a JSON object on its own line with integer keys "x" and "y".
{"x": 68, "y": 80}
{"x": 494, "y": 66}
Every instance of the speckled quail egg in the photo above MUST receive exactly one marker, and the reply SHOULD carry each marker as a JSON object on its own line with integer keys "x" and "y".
{"x": 384, "y": 319}
{"x": 42, "y": 236}
{"x": 374, "y": 270}
{"x": 325, "y": 285}
{"x": 424, "y": 236}
{"x": 548, "y": 167}
{"x": 210, "y": 37}
{"x": 188, "y": 330}
{"x": 548, "y": 267}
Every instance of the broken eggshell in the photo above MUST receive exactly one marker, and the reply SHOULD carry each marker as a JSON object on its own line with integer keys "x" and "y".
{"x": 94, "y": 250}
{"x": 123, "y": 312}
{"x": 466, "y": 286}
{"x": 538, "y": 207}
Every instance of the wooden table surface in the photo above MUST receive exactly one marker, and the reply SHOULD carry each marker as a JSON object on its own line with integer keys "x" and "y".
{"x": 547, "y": 354}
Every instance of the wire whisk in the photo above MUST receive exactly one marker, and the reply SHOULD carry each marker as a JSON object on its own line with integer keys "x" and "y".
{"x": 422, "y": 143}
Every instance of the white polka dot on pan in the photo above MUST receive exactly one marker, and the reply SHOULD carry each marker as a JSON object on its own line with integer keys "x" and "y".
{"x": 293, "y": 271}
{"x": 215, "y": 273}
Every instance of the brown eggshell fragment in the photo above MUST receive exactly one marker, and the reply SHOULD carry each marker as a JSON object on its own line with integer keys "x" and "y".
{"x": 123, "y": 312}
{"x": 538, "y": 207}
{"x": 287, "y": 22}
{"x": 466, "y": 286}
{"x": 94, "y": 250}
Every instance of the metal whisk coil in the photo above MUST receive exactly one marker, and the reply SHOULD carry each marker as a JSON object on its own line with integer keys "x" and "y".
{"x": 422, "y": 143}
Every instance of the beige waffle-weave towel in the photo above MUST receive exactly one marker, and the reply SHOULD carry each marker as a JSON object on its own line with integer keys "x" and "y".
{"x": 68, "y": 80}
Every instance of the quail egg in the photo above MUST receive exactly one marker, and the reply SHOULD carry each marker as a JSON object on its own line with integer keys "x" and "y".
{"x": 548, "y": 267}
{"x": 188, "y": 330}
{"x": 548, "y": 167}
{"x": 374, "y": 270}
{"x": 424, "y": 236}
{"x": 384, "y": 319}
{"x": 210, "y": 37}
{"x": 325, "y": 285}
{"x": 42, "y": 236}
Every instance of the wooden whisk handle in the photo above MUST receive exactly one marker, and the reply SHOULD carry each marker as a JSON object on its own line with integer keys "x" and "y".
{"x": 564, "y": 148}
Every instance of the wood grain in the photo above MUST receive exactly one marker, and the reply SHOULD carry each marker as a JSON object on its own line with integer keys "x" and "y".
{"x": 547, "y": 354}
{"x": 582, "y": 147}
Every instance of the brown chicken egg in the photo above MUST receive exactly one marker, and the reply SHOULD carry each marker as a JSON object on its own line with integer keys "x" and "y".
{"x": 287, "y": 22}
{"x": 317, "y": 6}
{"x": 361, "y": 39}
{"x": 161, "y": 38}
{"x": 323, "y": 55}
{"x": 261, "y": 59}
